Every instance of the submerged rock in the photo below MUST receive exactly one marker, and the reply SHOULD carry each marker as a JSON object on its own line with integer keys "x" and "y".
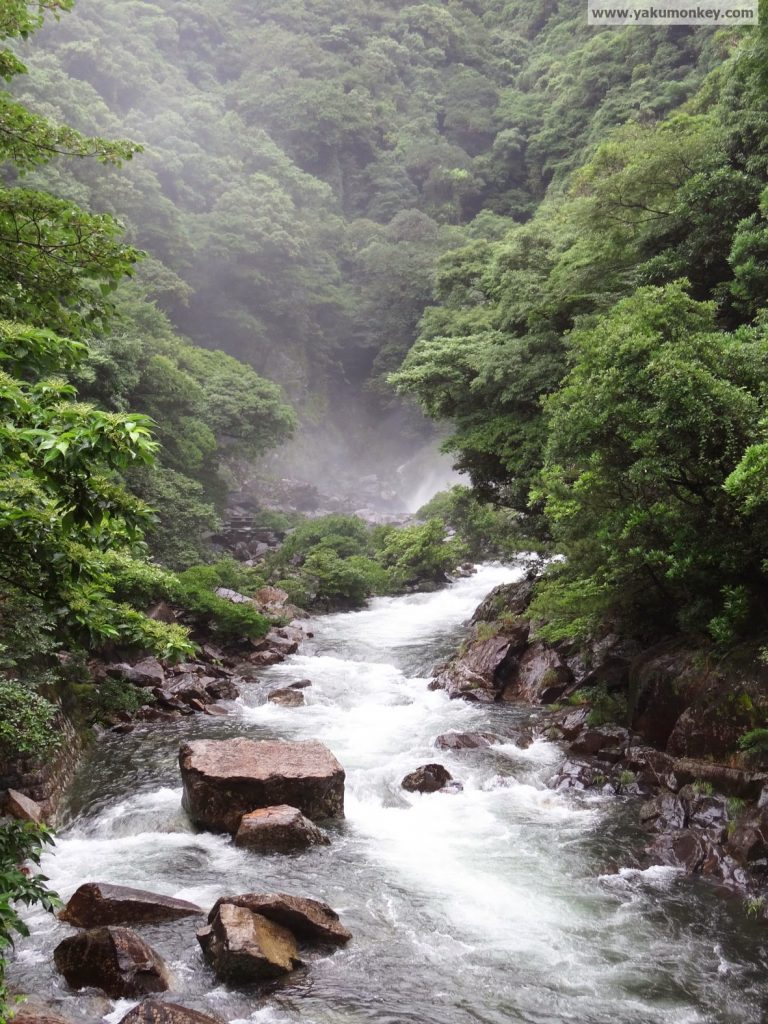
{"x": 116, "y": 960}
{"x": 287, "y": 698}
{"x": 225, "y": 779}
{"x": 97, "y": 903}
{"x": 154, "y": 1011}
{"x": 310, "y": 920}
{"x": 280, "y": 829}
{"x": 244, "y": 947}
{"x": 429, "y": 778}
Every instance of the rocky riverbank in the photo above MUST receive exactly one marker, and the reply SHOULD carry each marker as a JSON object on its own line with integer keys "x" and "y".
{"x": 660, "y": 725}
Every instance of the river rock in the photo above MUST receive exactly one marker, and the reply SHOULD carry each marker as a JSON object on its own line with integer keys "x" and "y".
{"x": 480, "y": 673}
{"x": 310, "y": 920}
{"x": 34, "y": 1012}
{"x": 507, "y": 598}
{"x": 540, "y": 672}
{"x": 225, "y": 779}
{"x": 244, "y": 947}
{"x": 686, "y": 850}
{"x": 97, "y": 903}
{"x": 280, "y": 829}
{"x": 287, "y": 698}
{"x": 429, "y": 778}
{"x": 23, "y": 808}
{"x": 147, "y": 672}
{"x": 748, "y": 842}
{"x": 115, "y": 960}
{"x": 222, "y": 689}
{"x": 599, "y": 741}
{"x": 466, "y": 740}
{"x": 153, "y": 1011}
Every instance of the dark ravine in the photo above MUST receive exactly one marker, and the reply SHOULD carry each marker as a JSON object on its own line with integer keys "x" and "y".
{"x": 673, "y": 743}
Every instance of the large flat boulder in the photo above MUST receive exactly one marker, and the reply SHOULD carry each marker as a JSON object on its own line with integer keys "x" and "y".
{"x": 309, "y": 920}
{"x": 97, "y": 903}
{"x": 225, "y": 779}
{"x": 243, "y": 947}
{"x": 280, "y": 829}
{"x": 116, "y": 960}
{"x": 154, "y": 1011}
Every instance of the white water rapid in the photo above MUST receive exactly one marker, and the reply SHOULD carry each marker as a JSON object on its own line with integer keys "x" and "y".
{"x": 507, "y": 902}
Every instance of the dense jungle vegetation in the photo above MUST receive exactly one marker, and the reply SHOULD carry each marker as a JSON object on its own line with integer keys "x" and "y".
{"x": 554, "y": 238}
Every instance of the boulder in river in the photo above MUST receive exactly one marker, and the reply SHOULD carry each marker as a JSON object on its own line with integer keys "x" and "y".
{"x": 243, "y": 947}
{"x": 225, "y": 779}
{"x": 147, "y": 672}
{"x": 115, "y": 960}
{"x": 429, "y": 778}
{"x": 97, "y": 903}
{"x": 311, "y": 921}
{"x": 34, "y": 1012}
{"x": 280, "y": 829}
{"x": 287, "y": 698}
{"x": 155, "y": 1011}
{"x": 467, "y": 740}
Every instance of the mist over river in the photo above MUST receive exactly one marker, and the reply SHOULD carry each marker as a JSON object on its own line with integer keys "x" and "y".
{"x": 505, "y": 902}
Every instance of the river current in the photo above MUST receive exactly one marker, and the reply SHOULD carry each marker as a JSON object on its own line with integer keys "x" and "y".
{"x": 506, "y": 902}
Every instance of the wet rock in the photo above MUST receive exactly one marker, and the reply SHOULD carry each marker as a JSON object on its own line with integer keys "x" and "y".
{"x": 225, "y": 779}
{"x": 287, "y": 698}
{"x": 311, "y": 921}
{"x": 480, "y": 673}
{"x": 596, "y": 741}
{"x": 214, "y": 711}
{"x": 280, "y": 829}
{"x": 97, "y": 903}
{"x": 263, "y": 659}
{"x": 574, "y": 775}
{"x": 429, "y": 778}
{"x": 466, "y": 740}
{"x": 147, "y": 672}
{"x": 507, "y": 598}
{"x": 244, "y": 947}
{"x": 188, "y": 688}
{"x": 35, "y": 1012}
{"x": 301, "y": 684}
{"x": 573, "y": 722}
{"x": 686, "y": 850}
{"x": 666, "y": 812}
{"x": 222, "y": 689}
{"x": 153, "y": 1011}
{"x": 116, "y": 960}
{"x": 705, "y": 811}
{"x": 748, "y": 842}
{"x": 21, "y": 807}
{"x": 281, "y": 641}
{"x": 541, "y": 669}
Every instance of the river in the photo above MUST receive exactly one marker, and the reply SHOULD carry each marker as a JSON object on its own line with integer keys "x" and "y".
{"x": 506, "y": 902}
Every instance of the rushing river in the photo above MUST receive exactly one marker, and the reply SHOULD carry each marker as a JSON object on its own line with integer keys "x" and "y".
{"x": 506, "y": 902}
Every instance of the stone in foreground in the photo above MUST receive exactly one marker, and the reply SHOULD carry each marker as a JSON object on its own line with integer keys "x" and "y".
{"x": 116, "y": 960}
{"x": 153, "y": 1011}
{"x": 243, "y": 947}
{"x": 428, "y": 779}
{"x": 225, "y": 779}
{"x": 280, "y": 829}
{"x": 34, "y": 1012}
{"x": 96, "y": 903}
{"x": 310, "y": 920}
{"x": 20, "y": 806}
